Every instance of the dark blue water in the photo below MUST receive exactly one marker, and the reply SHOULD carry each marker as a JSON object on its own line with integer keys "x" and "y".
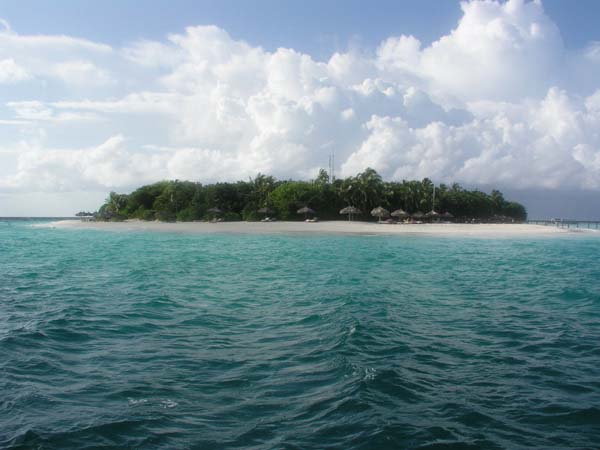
{"x": 164, "y": 341}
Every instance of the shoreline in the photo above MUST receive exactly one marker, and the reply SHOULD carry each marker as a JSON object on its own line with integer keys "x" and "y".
{"x": 325, "y": 227}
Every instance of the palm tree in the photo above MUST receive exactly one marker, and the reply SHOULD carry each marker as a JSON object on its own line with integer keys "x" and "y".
{"x": 370, "y": 188}
{"x": 262, "y": 186}
{"x": 116, "y": 202}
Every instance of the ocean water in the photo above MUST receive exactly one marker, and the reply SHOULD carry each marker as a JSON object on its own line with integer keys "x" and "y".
{"x": 163, "y": 341}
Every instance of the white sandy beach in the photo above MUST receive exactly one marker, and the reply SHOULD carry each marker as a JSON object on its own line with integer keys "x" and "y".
{"x": 326, "y": 227}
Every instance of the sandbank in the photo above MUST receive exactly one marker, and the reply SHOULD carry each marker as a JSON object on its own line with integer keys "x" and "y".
{"x": 325, "y": 227}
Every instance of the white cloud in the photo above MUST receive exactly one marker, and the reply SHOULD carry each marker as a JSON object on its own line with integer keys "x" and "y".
{"x": 152, "y": 54}
{"x": 136, "y": 103}
{"x": 550, "y": 143}
{"x": 113, "y": 163}
{"x": 11, "y": 72}
{"x": 498, "y": 51}
{"x": 498, "y": 100}
{"x": 46, "y": 57}
{"x": 13, "y": 122}
{"x": 55, "y": 44}
{"x": 31, "y": 111}
{"x": 47, "y": 169}
{"x": 80, "y": 72}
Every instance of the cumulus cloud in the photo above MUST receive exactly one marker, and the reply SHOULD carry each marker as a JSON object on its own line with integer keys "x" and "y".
{"x": 550, "y": 143}
{"x": 498, "y": 100}
{"x": 112, "y": 163}
{"x": 48, "y": 169}
{"x": 498, "y": 51}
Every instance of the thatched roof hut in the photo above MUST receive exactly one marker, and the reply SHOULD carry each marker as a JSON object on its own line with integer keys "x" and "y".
{"x": 350, "y": 211}
{"x": 380, "y": 212}
{"x": 306, "y": 211}
{"x": 399, "y": 213}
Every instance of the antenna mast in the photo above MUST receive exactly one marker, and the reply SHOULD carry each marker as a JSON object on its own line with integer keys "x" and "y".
{"x": 331, "y": 166}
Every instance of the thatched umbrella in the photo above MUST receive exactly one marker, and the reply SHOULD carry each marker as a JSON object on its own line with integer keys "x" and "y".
{"x": 380, "y": 212}
{"x": 447, "y": 216}
{"x": 433, "y": 215}
{"x": 306, "y": 211}
{"x": 400, "y": 214}
{"x": 418, "y": 215}
{"x": 350, "y": 211}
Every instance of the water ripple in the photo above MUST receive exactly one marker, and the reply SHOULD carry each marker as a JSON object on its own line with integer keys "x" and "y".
{"x": 140, "y": 340}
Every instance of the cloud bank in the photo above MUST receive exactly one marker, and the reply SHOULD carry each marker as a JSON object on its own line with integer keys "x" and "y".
{"x": 498, "y": 100}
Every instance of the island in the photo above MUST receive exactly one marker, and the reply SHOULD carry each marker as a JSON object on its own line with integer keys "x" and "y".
{"x": 365, "y": 197}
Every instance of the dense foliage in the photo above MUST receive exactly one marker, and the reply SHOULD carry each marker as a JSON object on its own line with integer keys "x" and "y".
{"x": 187, "y": 201}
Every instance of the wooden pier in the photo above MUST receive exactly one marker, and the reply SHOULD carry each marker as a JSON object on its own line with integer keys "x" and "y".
{"x": 567, "y": 223}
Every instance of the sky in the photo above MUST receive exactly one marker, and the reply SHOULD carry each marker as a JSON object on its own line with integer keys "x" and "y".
{"x": 101, "y": 96}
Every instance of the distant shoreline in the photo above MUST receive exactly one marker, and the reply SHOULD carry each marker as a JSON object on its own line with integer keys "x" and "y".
{"x": 325, "y": 227}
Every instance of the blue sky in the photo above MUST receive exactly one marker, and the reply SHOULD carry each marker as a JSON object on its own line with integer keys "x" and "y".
{"x": 98, "y": 96}
{"x": 318, "y": 27}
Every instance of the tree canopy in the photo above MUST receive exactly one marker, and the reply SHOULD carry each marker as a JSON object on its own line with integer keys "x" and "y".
{"x": 187, "y": 201}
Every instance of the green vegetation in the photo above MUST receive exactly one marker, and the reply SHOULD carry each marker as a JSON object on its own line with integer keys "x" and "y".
{"x": 187, "y": 201}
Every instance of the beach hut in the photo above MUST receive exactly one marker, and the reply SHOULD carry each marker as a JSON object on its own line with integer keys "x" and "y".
{"x": 399, "y": 214}
{"x": 380, "y": 212}
{"x": 306, "y": 211}
{"x": 350, "y": 211}
{"x": 433, "y": 215}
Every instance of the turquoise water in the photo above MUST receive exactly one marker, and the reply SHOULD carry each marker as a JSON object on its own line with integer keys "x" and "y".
{"x": 164, "y": 341}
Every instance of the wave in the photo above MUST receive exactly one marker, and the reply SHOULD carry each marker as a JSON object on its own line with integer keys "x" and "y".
{"x": 155, "y": 341}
